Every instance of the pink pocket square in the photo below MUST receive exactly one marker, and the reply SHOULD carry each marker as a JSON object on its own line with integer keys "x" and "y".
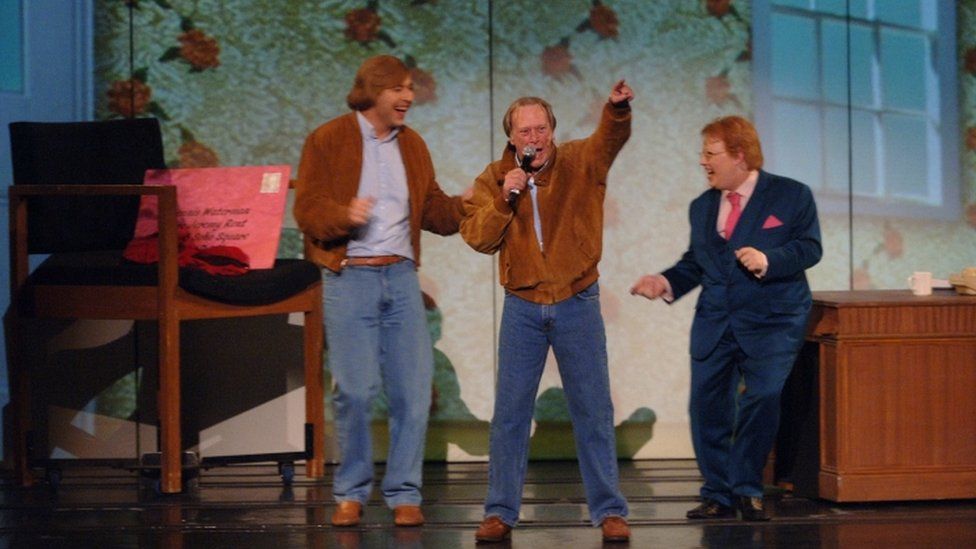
{"x": 772, "y": 222}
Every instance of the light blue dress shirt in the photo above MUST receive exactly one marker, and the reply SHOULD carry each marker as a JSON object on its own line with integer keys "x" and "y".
{"x": 384, "y": 179}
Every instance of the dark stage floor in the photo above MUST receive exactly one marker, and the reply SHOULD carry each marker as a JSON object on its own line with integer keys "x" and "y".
{"x": 248, "y": 506}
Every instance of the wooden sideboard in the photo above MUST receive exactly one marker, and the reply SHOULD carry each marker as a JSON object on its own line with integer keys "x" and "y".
{"x": 897, "y": 395}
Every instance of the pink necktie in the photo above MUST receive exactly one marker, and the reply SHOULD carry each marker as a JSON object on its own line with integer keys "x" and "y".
{"x": 734, "y": 214}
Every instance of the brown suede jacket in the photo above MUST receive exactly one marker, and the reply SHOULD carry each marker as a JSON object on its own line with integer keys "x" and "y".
{"x": 328, "y": 179}
{"x": 570, "y": 193}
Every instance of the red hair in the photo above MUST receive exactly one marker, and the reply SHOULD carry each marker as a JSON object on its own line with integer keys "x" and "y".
{"x": 739, "y": 135}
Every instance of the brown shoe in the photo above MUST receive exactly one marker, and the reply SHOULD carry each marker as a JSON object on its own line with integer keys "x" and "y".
{"x": 407, "y": 515}
{"x": 491, "y": 530}
{"x": 347, "y": 513}
{"x": 615, "y": 529}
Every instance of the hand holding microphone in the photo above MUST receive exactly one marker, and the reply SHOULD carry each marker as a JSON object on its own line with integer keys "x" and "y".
{"x": 525, "y": 164}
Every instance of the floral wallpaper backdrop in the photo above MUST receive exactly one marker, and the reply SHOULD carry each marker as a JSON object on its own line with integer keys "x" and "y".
{"x": 239, "y": 82}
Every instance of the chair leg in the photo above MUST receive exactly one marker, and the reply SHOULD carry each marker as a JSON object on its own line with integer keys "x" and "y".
{"x": 20, "y": 401}
{"x": 171, "y": 473}
{"x": 314, "y": 391}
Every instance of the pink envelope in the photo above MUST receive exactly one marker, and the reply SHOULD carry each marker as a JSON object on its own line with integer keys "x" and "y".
{"x": 241, "y": 206}
{"x": 772, "y": 222}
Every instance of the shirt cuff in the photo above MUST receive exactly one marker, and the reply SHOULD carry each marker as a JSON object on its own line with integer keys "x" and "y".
{"x": 668, "y": 295}
{"x": 765, "y": 266}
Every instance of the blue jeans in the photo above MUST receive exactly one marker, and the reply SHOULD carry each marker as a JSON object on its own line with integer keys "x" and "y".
{"x": 733, "y": 433}
{"x": 574, "y": 329}
{"x": 377, "y": 336}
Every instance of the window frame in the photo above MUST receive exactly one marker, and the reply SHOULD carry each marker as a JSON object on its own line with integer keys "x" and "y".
{"x": 829, "y": 199}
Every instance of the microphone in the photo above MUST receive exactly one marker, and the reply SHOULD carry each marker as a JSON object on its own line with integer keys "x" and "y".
{"x": 528, "y": 155}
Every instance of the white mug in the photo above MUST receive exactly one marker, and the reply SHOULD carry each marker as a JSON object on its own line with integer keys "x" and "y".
{"x": 921, "y": 283}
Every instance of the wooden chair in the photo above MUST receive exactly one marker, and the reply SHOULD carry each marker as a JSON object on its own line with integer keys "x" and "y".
{"x": 75, "y": 196}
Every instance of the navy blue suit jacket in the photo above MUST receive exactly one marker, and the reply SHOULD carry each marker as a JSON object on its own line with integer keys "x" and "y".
{"x": 766, "y": 315}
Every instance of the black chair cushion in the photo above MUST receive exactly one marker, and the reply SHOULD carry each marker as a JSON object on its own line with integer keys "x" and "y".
{"x": 256, "y": 287}
{"x": 104, "y": 268}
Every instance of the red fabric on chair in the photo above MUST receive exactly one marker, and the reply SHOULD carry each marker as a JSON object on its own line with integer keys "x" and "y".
{"x": 216, "y": 260}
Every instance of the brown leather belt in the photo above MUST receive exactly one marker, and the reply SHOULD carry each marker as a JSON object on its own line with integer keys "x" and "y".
{"x": 372, "y": 261}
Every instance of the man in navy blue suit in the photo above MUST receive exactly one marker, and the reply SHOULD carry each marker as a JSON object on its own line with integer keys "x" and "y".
{"x": 753, "y": 235}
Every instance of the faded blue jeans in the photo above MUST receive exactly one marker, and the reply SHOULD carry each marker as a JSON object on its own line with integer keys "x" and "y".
{"x": 574, "y": 329}
{"x": 377, "y": 337}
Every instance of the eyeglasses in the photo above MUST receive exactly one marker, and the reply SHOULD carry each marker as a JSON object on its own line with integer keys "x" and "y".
{"x": 708, "y": 155}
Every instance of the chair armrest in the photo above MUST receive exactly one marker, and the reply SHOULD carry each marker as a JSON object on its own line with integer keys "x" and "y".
{"x": 20, "y": 195}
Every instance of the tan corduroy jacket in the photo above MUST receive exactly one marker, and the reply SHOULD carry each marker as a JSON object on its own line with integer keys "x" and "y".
{"x": 571, "y": 190}
{"x": 328, "y": 179}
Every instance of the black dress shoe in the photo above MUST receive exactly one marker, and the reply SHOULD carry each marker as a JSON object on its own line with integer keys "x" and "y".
{"x": 710, "y": 509}
{"x": 752, "y": 509}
